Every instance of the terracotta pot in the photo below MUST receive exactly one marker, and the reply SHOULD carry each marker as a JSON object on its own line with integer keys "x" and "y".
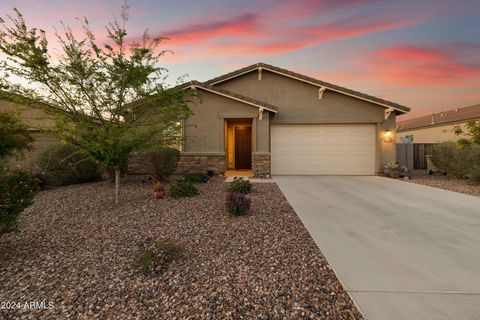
{"x": 159, "y": 194}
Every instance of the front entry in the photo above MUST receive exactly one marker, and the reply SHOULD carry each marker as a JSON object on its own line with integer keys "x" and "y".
{"x": 243, "y": 147}
{"x": 238, "y": 144}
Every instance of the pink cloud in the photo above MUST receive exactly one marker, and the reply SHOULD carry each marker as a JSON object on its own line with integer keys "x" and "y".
{"x": 239, "y": 26}
{"x": 415, "y": 65}
{"x": 348, "y": 28}
{"x": 203, "y": 44}
{"x": 411, "y": 53}
{"x": 300, "y": 8}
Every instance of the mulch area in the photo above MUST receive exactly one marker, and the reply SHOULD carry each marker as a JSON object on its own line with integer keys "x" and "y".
{"x": 447, "y": 182}
{"x": 77, "y": 250}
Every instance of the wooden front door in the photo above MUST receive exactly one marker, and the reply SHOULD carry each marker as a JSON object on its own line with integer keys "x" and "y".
{"x": 243, "y": 147}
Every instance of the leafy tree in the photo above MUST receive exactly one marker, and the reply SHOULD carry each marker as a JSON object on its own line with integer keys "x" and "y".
{"x": 472, "y": 132}
{"x": 14, "y": 135}
{"x": 109, "y": 99}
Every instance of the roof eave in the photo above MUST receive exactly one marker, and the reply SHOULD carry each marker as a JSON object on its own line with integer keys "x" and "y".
{"x": 208, "y": 88}
{"x": 398, "y": 108}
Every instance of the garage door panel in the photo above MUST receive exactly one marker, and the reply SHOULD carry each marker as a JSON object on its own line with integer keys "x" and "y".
{"x": 323, "y": 149}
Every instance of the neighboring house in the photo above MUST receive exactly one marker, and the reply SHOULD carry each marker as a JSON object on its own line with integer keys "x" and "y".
{"x": 274, "y": 121}
{"x": 429, "y": 130}
{"x": 36, "y": 121}
{"x": 438, "y": 127}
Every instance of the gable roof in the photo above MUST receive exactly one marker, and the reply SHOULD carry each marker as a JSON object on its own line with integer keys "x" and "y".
{"x": 229, "y": 94}
{"x": 333, "y": 87}
{"x": 445, "y": 117}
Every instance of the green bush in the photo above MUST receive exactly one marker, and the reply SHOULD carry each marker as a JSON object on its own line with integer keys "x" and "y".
{"x": 458, "y": 160}
{"x": 15, "y": 135}
{"x": 182, "y": 189}
{"x": 444, "y": 157}
{"x": 196, "y": 177}
{"x": 237, "y": 203}
{"x": 164, "y": 162}
{"x": 64, "y": 165}
{"x": 471, "y": 161}
{"x": 154, "y": 257}
{"x": 17, "y": 189}
{"x": 240, "y": 185}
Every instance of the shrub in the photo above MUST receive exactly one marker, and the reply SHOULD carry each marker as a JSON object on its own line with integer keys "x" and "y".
{"x": 445, "y": 156}
{"x": 470, "y": 158}
{"x": 237, "y": 203}
{"x": 458, "y": 160}
{"x": 393, "y": 165}
{"x": 164, "y": 162}
{"x": 64, "y": 164}
{"x": 182, "y": 189}
{"x": 154, "y": 257}
{"x": 196, "y": 177}
{"x": 15, "y": 135}
{"x": 463, "y": 142}
{"x": 17, "y": 189}
{"x": 240, "y": 185}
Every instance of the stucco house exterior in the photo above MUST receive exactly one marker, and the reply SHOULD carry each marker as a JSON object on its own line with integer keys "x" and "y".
{"x": 438, "y": 127}
{"x": 38, "y": 123}
{"x": 273, "y": 121}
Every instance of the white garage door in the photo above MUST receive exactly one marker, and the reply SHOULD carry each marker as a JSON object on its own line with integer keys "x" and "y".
{"x": 323, "y": 149}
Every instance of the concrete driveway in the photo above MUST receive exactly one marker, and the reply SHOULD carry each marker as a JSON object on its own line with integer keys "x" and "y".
{"x": 402, "y": 250}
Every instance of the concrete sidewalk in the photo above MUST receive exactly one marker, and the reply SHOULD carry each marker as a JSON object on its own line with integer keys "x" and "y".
{"x": 403, "y": 251}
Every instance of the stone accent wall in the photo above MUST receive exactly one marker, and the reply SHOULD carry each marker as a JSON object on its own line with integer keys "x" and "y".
{"x": 191, "y": 163}
{"x": 139, "y": 165}
{"x": 187, "y": 164}
{"x": 261, "y": 165}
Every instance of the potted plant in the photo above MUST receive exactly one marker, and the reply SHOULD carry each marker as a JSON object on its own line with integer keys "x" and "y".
{"x": 392, "y": 169}
{"x": 158, "y": 190}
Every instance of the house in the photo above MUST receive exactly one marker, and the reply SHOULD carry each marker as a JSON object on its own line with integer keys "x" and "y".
{"x": 273, "y": 121}
{"x": 36, "y": 121}
{"x": 438, "y": 127}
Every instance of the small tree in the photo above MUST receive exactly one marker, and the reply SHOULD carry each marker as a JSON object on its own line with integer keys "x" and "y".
{"x": 472, "y": 132}
{"x": 108, "y": 99}
{"x": 14, "y": 135}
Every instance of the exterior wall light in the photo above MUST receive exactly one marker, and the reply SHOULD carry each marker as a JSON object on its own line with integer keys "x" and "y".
{"x": 387, "y": 137}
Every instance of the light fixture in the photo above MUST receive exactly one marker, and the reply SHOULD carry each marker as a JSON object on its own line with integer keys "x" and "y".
{"x": 387, "y": 137}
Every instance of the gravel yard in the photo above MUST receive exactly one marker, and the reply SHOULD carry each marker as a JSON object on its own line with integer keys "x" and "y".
{"x": 446, "y": 182}
{"x": 77, "y": 250}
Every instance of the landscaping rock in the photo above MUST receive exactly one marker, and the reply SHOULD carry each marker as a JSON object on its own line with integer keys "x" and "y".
{"x": 78, "y": 250}
{"x": 446, "y": 182}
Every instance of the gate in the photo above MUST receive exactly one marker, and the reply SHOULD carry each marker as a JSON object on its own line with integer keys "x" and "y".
{"x": 420, "y": 150}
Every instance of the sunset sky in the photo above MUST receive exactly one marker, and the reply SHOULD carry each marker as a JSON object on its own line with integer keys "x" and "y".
{"x": 424, "y": 54}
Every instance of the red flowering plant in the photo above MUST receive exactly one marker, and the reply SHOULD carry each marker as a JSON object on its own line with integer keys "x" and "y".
{"x": 237, "y": 203}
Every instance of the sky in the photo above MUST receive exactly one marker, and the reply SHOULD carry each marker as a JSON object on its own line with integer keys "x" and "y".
{"x": 424, "y": 54}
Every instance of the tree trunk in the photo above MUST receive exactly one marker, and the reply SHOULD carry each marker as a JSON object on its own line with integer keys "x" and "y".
{"x": 117, "y": 184}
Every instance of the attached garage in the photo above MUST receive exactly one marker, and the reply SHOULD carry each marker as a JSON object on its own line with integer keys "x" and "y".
{"x": 324, "y": 149}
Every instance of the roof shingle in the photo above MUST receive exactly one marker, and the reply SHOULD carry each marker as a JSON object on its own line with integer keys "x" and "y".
{"x": 454, "y": 115}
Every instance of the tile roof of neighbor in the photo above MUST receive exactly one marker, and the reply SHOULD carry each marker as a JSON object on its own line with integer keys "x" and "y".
{"x": 401, "y": 108}
{"x": 445, "y": 117}
{"x": 229, "y": 93}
